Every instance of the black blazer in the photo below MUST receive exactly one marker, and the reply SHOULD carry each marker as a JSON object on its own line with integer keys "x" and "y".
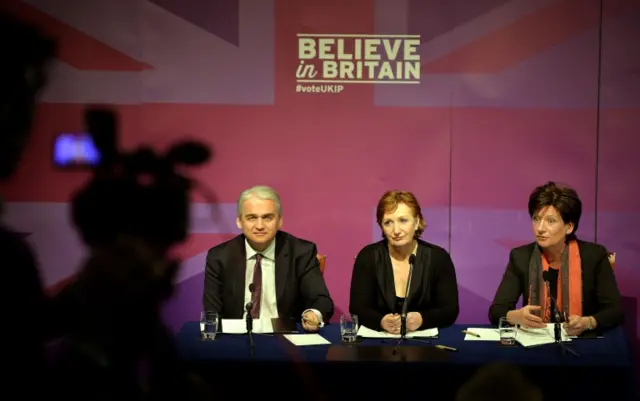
{"x": 299, "y": 283}
{"x": 433, "y": 292}
{"x": 600, "y": 295}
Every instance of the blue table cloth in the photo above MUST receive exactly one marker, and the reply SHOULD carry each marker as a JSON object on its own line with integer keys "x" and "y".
{"x": 604, "y": 366}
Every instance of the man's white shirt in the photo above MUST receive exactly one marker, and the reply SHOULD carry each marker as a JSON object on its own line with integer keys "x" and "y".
{"x": 268, "y": 298}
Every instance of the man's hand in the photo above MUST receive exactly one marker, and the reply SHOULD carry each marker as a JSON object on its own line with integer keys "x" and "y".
{"x": 310, "y": 321}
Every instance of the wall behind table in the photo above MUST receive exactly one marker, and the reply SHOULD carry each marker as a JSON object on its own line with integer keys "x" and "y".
{"x": 512, "y": 93}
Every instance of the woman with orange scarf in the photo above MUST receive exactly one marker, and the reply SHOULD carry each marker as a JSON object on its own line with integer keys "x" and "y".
{"x": 581, "y": 279}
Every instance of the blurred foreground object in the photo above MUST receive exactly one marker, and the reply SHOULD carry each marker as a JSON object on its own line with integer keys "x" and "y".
{"x": 27, "y": 53}
{"x": 139, "y": 193}
{"x": 498, "y": 381}
{"x": 132, "y": 211}
{"x": 23, "y": 73}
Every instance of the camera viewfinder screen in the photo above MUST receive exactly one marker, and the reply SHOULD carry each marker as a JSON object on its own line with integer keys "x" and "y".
{"x": 75, "y": 150}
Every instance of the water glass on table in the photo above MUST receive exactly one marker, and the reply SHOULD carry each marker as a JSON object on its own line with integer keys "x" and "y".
{"x": 349, "y": 328}
{"x": 208, "y": 325}
{"x": 507, "y": 332}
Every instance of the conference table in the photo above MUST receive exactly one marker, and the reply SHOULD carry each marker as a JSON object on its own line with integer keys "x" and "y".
{"x": 603, "y": 370}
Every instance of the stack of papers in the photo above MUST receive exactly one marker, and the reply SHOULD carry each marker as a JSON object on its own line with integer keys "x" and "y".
{"x": 306, "y": 339}
{"x": 526, "y": 337}
{"x": 535, "y": 337}
{"x": 239, "y": 326}
{"x": 366, "y": 332}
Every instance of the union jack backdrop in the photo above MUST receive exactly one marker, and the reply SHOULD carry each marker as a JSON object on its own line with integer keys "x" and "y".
{"x": 512, "y": 93}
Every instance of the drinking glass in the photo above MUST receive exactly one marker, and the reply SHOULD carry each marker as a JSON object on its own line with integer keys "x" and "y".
{"x": 208, "y": 325}
{"x": 349, "y": 328}
{"x": 507, "y": 332}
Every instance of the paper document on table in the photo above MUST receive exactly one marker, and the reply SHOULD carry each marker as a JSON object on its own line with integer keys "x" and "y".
{"x": 366, "y": 332}
{"x": 535, "y": 337}
{"x": 239, "y": 326}
{"x": 484, "y": 333}
{"x": 306, "y": 339}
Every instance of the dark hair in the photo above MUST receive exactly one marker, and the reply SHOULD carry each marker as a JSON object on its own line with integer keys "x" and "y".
{"x": 565, "y": 199}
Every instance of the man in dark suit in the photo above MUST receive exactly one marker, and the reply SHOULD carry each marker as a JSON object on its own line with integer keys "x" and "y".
{"x": 275, "y": 271}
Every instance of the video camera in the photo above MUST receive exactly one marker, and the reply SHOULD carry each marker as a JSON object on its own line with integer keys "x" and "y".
{"x": 138, "y": 193}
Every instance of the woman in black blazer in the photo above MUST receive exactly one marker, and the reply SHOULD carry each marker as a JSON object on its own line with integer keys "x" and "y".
{"x": 581, "y": 280}
{"x": 380, "y": 273}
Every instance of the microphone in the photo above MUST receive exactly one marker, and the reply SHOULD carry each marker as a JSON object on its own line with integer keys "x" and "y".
{"x": 249, "y": 319}
{"x": 405, "y": 305}
{"x": 547, "y": 277}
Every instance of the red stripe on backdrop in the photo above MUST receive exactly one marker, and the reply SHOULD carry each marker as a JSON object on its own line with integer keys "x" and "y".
{"x": 329, "y": 17}
{"x": 520, "y": 40}
{"x": 323, "y": 139}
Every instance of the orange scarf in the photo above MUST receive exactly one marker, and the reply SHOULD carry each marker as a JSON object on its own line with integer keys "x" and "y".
{"x": 572, "y": 305}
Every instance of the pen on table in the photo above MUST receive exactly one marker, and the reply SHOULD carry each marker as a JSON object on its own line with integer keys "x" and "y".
{"x": 444, "y": 347}
{"x": 471, "y": 333}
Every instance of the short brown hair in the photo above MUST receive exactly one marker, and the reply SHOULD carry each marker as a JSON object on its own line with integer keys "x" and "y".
{"x": 564, "y": 198}
{"x": 389, "y": 203}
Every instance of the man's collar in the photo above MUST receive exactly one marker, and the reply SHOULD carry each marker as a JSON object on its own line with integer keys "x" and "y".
{"x": 269, "y": 253}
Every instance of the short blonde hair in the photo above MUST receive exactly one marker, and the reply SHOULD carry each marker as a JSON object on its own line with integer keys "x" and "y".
{"x": 262, "y": 192}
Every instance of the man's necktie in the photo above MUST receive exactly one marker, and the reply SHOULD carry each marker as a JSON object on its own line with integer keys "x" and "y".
{"x": 257, "y": 288}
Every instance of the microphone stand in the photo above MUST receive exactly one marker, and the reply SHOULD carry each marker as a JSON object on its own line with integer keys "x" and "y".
{"x": 249, "y": 321}
{"x": 405, "y": 306}
{"x": 557, "y": 327}
{"x": 403, "y": 330}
